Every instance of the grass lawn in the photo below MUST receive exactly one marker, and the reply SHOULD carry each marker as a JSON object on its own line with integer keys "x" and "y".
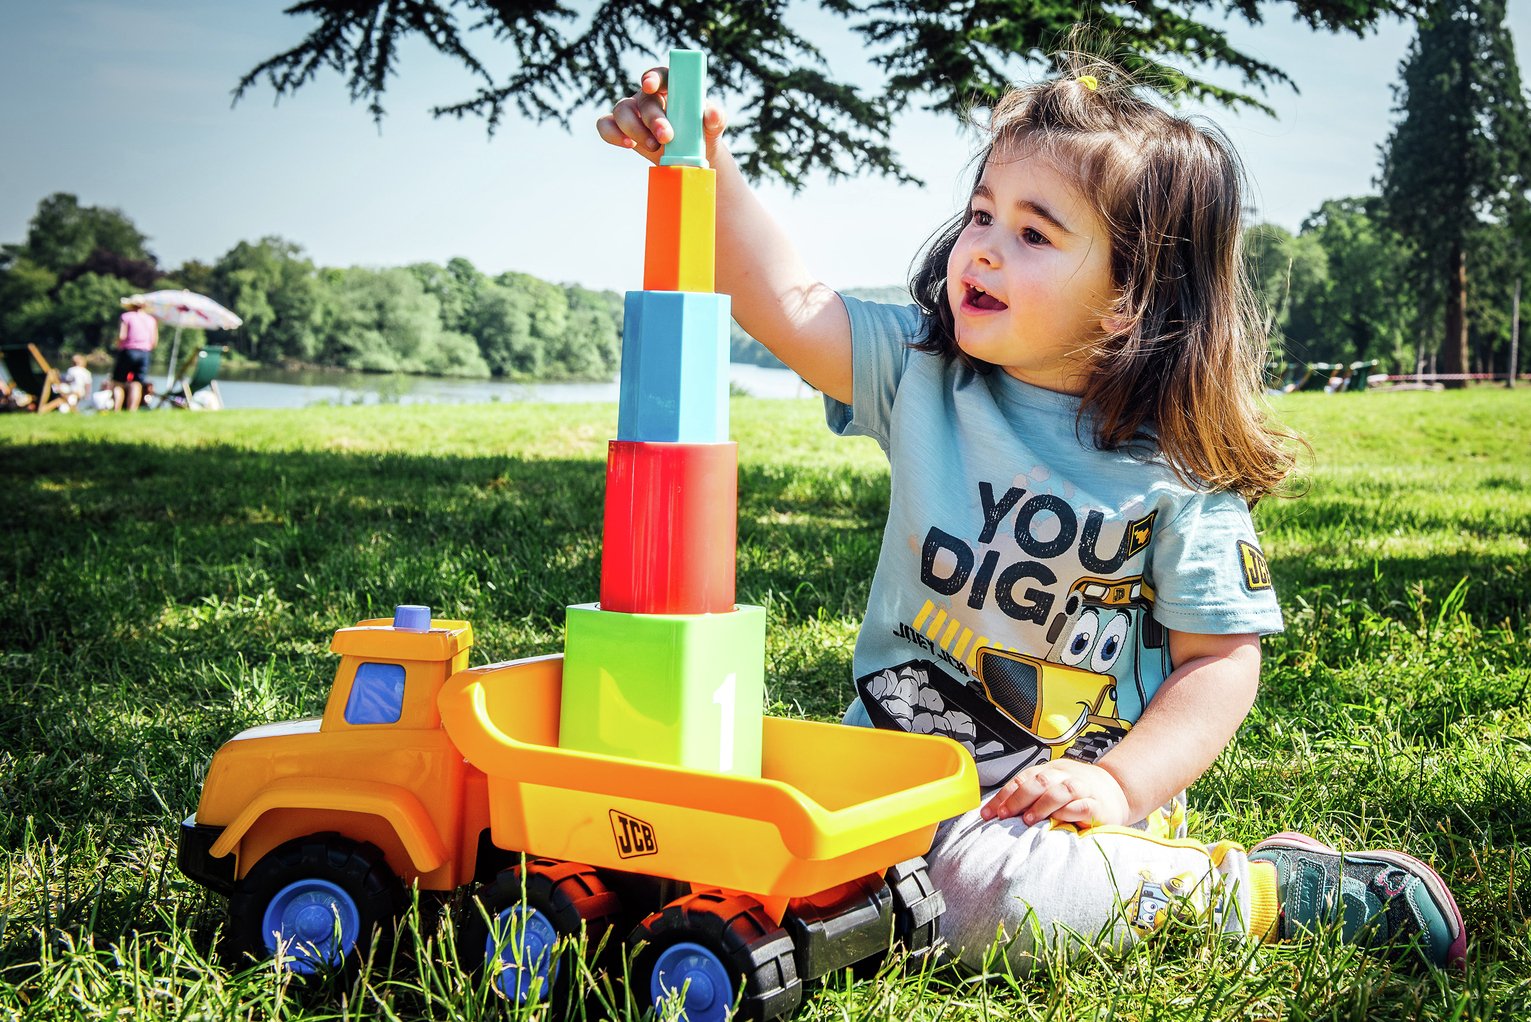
{"x": 167, "y": 580}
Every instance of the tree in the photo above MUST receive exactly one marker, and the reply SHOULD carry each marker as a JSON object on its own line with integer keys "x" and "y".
{"x": 1499, "y": 262}
{"x": 86, "y": 312}
{"x": 62, "y": 286}
{"x": 275, "y": 289}
{"x": 1364, "y": 310}
{"x": 1459, "y": 158}
{"x": 140, "y": 274}
{"x": 26, "y": 304}
{"x": 590, "y": 346}
{"x": 456, "y": 286}
{"x": 794, "y": 116}
{"x": 514, "y": 319}
{"x": 384, "y": 321}
{"x": 194, "y": 275}
{"x": 1287, "y": 272}
{"x": 64, "y": 234}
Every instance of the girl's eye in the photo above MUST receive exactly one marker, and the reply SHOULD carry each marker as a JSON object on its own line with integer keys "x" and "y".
{"x": 982, "y": 218}
{"x": 1033, "y": 237}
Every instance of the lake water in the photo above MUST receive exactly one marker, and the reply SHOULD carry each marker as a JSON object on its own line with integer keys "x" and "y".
{"x": 276, "y": 388}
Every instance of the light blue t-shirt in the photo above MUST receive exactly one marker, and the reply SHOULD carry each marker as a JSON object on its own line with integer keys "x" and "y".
{"x": 1026, "y": 579}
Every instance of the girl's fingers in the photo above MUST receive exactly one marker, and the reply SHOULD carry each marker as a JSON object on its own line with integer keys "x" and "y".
{"x": 998, "y": 806}
{"x": 607, "y": 128}
{"x": 1080, "y": 811}
{"x": 629, "y": 121}
{"x": 654, "y": 80}
{"x": 714, "y": 120}
{"x": 1053, "y": 798}
{"x": 1017, "y": 794}
{"x": 651, "y": 109}
{"x": 641, "y": 118}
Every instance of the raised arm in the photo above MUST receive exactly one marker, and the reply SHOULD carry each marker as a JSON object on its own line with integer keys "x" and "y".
{"x": 774, "y": 296}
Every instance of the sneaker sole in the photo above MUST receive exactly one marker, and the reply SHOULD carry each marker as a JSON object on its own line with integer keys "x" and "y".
{"x": 1456, "y": 953}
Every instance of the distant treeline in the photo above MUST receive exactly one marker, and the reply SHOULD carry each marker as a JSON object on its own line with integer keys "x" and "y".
{"x": 1336, "y": 291}
{"x": 61, "y": 288}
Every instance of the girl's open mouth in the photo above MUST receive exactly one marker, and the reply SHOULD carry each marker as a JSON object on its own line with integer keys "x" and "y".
{"x": 976, "y": 298}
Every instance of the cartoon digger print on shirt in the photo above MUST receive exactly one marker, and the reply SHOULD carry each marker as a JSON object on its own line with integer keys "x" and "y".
{"x": 1107, "y": 653}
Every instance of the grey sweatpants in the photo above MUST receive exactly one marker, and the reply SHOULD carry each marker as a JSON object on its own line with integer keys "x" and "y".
{"x": 1041, "y": 888}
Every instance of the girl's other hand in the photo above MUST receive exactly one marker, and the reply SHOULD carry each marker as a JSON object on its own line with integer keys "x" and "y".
{"x": 1065, "y": 790}
{"x": 639, "y": 122}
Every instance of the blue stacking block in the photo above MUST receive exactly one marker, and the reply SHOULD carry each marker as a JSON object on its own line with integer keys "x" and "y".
{"x": 674, "y": 368}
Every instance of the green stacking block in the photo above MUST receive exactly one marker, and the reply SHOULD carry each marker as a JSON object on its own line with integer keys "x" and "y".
{"x": 681, "y": 689}
{"x": 688, "y": 93}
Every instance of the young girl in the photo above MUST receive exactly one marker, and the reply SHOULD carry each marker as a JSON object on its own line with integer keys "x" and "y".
{"x": 1069, "y": 583}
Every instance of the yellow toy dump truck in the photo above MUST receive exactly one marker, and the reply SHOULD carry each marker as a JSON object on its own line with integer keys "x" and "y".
{"x": 727, "y": 890}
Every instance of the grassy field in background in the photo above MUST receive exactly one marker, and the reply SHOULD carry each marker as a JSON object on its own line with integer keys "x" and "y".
{"x": 167, "y": 579}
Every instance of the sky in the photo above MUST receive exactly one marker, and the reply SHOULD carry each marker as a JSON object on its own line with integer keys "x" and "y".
{"x": 129, "y": 106}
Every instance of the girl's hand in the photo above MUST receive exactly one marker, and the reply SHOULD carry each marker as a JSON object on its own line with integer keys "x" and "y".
{"x": 639, "y": 122}
{"x": 1065, "y": 790}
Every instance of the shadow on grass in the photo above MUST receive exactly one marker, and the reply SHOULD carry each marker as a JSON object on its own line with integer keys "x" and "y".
{"x": 102, "y": 538}
{"x": 1498, "y": 586}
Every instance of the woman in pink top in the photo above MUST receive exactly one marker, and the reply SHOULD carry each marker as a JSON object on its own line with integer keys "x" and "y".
{"x": 135, "y": 340}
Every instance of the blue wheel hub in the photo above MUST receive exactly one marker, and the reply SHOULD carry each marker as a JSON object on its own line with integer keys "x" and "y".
{"x": 696, "y": 975}
{"x": 312, "y": 924}
{"x": 522, "y": 943}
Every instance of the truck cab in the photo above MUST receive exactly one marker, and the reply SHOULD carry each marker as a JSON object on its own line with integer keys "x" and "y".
{"x": 376, "y": 766}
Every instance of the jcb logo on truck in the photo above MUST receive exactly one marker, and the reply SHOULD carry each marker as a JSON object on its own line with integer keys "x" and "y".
{"x": 634, "y": 837}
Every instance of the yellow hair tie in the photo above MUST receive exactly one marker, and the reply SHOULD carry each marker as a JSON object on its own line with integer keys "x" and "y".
{"x": 1090, "y": 82}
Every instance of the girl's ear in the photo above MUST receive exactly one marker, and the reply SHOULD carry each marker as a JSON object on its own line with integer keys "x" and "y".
{"x": 1114, "y": 324}
{"x": 1113, "y": 319}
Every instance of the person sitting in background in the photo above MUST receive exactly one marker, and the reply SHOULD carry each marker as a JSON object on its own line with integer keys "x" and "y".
{"x": 76, "y": 384}
{"x": 135, "y": 341}
{"x": 104, "y": 400}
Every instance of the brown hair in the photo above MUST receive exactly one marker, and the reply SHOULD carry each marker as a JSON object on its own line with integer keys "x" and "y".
{"x": 1186, "y": 366}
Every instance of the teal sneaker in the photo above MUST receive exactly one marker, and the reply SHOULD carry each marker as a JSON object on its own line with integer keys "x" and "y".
{"x": 1386, "y": 899}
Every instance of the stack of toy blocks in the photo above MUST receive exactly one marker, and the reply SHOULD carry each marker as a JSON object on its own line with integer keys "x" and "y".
{"x": 666, "y": 667}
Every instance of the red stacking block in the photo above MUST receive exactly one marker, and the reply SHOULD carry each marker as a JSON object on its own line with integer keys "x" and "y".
{"x": 671, "y": 528}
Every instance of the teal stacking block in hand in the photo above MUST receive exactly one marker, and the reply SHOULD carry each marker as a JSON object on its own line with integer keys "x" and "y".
{"x": 687, "y": 94}
{"x": 674, "y": 368}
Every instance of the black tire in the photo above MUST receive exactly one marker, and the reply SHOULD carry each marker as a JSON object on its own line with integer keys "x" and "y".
{"x": 756, "y": 952}
{"x": 321, "y": 863}
{"x": 917, "y": 906}
{"x": 571, "y": 896}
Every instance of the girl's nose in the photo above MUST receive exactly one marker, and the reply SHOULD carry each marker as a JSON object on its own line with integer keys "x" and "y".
{"x": 985, "y": 251}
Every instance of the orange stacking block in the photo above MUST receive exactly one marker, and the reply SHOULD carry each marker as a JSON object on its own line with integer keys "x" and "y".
{"x": 671, "y": 528}
{"x": 682, "y": 229}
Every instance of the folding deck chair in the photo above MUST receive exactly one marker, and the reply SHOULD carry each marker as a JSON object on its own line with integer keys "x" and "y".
{"x": 197, "y": 374}
{"x": 1360, "y": 375}
{"x": 32, "y": 374}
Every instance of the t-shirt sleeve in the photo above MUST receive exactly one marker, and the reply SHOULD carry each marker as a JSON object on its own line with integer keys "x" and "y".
{"x": 1209, "y": 574}
{"x": 880, "y": 339}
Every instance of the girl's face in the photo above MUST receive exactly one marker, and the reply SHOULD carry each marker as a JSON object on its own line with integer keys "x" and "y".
{"x": 1029, "y": 279}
